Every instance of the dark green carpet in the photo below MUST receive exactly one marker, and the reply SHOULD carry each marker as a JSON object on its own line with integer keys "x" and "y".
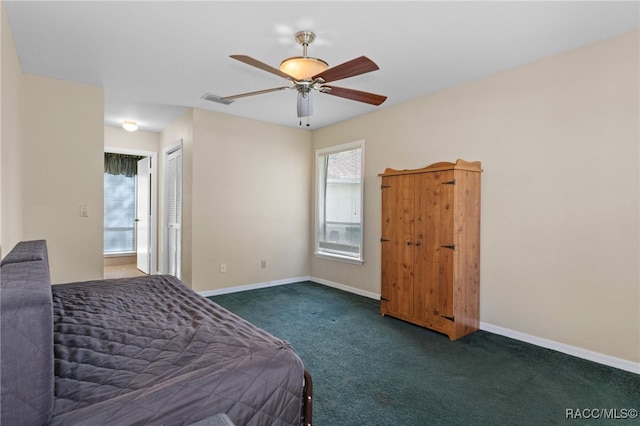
{"x": 373, "y": 370}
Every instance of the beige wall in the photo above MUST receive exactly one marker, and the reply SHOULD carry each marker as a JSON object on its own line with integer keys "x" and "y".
{"x": 63, "y": 149}
{"x": 558, "y": 140}
{"x": 10, "y": 147}
{"x": 245, "y": 199}
{"x": 47, "y": 126}
{"x": 140, "y": 140}
{"x": 250, "y": 201}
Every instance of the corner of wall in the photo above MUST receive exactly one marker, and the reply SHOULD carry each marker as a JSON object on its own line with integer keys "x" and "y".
{"x": 11, "y": 210}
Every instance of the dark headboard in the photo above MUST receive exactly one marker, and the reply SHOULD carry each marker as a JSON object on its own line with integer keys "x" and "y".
{"x": 26, "y": 336}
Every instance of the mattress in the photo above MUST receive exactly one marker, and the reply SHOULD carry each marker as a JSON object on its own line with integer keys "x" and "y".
{"x": 148, "y": 350}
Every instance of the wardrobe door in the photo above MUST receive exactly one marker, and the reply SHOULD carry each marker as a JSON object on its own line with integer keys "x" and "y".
{"x": 397, "y": 245}
{"x": 423, "y": 265}
{"x": 438, "y": 248}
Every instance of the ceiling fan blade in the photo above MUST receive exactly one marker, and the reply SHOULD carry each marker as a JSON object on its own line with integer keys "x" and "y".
{"x": 257, "y": 92}
{"x": 355, "y": 95}
{"x": 256, "y": 63}
{"x": 350, "y": 68}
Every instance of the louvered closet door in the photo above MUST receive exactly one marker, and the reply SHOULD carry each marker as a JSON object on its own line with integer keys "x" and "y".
{"x": 434, "y": 263}
{"x": 397, "y": 245}
{"x": 174, "y": 212}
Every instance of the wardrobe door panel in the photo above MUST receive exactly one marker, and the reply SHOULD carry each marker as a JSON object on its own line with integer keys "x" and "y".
{"x": 423, "y": 251}
{"x": 397, "y": 246}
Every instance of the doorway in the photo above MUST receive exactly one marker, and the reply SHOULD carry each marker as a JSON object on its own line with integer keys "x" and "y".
{"x": 130, "y": 195}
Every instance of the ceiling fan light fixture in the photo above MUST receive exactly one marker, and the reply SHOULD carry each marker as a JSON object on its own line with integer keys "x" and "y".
{"x": 305, "y": 105}
{"x": 130, "y": 126}
{"x": 303, "y": 67}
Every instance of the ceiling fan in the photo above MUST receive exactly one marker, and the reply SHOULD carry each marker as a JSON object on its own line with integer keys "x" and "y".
{"x": 308, "y": 74}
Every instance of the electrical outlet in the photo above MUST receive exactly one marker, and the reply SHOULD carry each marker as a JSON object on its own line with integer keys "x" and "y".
{"x": 223, "y": 267}
{"x": 263, "y": 264}
{"x": 84, "y": 211}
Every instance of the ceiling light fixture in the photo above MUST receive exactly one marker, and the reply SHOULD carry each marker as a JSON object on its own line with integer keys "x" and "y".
{"x": 303, "y": 67}
{"x": 130, "y": 126}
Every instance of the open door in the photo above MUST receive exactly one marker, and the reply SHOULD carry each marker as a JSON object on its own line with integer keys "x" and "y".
{"x": 143, "y": 215}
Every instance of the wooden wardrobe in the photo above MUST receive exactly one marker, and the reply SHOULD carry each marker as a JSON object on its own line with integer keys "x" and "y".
{"x": 431, "y": 246}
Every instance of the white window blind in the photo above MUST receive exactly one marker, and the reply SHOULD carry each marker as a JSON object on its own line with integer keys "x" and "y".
{"x": 119, "y": 213}
{"x": 339, "y": 188}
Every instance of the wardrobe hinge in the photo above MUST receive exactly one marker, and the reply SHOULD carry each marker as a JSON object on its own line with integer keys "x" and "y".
{"x": 453, "y": 247}
{"x": 384, "y": 299}
{"x": 449, "y": 318}
{"x": 384, "y": 240}
{"x": 385, "y": 186}
{"x": 449, "y": 182}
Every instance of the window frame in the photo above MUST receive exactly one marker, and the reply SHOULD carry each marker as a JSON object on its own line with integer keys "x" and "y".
{"x": 318, "y": 252}
{"x": 121, "y": 253}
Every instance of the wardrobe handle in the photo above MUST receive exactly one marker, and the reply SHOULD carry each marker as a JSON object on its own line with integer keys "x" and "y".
{"x": 408, "y": 243}
{"x": 418, "y": 244}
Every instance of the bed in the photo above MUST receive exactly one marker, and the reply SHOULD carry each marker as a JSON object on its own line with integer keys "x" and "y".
{"x": 143, "y": 351}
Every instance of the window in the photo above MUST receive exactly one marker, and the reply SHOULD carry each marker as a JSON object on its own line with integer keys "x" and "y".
{"x": 339, "y": 189}
{"x": 119, "y": 213}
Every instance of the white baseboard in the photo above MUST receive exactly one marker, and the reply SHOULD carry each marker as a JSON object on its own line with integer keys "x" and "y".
{"x": 608, "y": 360}
{"x": 255, "y": 286}
{"x": 339, "y": 286}
{"x": 597, "y": 357}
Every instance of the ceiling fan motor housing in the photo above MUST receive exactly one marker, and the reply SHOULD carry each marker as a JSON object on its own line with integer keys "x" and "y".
{"x": 305, "y": 38}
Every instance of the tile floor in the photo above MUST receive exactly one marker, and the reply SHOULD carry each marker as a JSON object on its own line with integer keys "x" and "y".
{"x": 122, "y": 271}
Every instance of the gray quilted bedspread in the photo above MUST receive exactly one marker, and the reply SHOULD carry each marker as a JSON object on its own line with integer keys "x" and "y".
{"x": 149, "y": 351}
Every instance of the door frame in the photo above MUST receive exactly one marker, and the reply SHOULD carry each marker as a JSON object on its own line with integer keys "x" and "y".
{"x": 153, "y": 245}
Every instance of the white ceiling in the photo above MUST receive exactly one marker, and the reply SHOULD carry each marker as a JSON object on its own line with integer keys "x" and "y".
{"x": 155, "y": 59}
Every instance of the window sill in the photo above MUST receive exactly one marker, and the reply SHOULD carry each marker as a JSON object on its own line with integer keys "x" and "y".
{"x": 338, "y": 258}
{"x": 120, "y": 254}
